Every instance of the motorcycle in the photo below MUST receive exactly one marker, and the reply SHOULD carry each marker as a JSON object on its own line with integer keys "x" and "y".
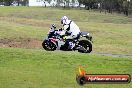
{"x": 55, "y": 41}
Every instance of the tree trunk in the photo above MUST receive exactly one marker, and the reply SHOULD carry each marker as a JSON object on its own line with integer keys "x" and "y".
{"x": 18, "y": 2}
{"x": 44, "y": 4}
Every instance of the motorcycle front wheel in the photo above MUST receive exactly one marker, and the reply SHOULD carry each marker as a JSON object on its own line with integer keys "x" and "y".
{"x": 48, "y": 46}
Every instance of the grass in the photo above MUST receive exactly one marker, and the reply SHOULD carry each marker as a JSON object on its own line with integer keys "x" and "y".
{"x": 29, "y": 68}
{"x": 17, "y": 32}
{"x": 36, "y": 68}
{"x": 108, "y": 30}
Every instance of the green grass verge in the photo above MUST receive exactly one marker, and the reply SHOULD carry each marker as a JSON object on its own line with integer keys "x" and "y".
{"x": 28, "y": 68}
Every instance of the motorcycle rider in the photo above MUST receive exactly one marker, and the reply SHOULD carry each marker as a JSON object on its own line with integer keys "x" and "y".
{"x": 71, "y": 31}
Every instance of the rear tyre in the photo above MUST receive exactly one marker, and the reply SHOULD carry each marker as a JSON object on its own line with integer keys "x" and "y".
{"x": 86, "y": 45}
{"x": 48, "y": 46}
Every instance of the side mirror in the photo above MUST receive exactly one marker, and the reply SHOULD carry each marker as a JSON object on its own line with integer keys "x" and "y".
{"x": 54, "y": 26}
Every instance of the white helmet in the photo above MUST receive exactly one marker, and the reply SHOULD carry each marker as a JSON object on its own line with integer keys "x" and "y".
{"x": 64, "y": 20}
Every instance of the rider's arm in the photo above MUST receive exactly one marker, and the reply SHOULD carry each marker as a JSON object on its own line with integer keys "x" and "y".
{"x": 66, "y": 27}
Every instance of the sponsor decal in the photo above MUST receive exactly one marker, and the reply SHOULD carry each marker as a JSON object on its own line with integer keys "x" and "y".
{"x": 83, "y": 78}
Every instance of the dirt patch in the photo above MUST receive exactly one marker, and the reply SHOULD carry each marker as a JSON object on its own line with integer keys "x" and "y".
{"x": 29, "y": 43}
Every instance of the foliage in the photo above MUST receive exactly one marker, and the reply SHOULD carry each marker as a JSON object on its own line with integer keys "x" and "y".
{"x": 109, "y": 5}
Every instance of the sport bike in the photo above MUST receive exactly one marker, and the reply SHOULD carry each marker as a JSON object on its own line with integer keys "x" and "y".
{"x": 54, "y": 41}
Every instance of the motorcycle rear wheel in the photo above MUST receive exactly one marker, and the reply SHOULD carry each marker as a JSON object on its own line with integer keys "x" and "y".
{"x": 86, "y": 45}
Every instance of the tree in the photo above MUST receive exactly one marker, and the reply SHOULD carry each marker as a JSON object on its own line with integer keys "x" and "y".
{"x": 67, "y": 3}
{"x": 80, "y": 2}
{"x": 125, "y": 7}
{"x": 73, "y": 1}
{"x": 1, "y": 2}
{"x": 18, "y": 2}
{"x": 58, "y": 2}
{"x": 24, "y": 2}
{"x": 109, "y": 5}
{"x": 8, "y": 2}
{"x": 44, "y": 2}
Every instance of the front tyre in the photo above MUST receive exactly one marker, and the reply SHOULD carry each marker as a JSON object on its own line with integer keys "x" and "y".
{"x": 85, "y": 46}
{"x": 48, "y": 46}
